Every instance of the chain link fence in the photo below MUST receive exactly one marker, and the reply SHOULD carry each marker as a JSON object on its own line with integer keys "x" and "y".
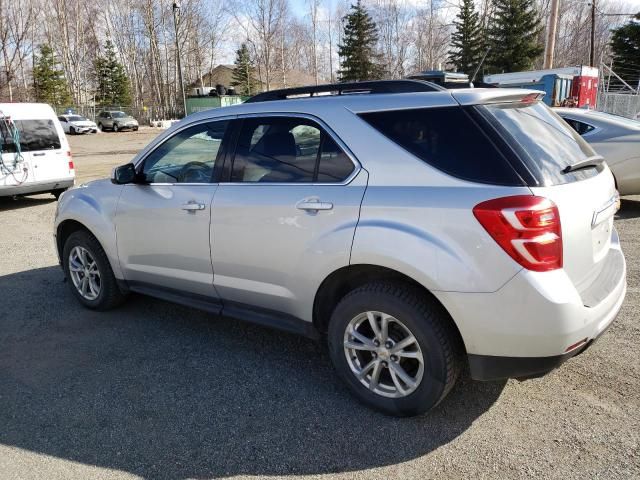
{"x": 144, "y": 115}
{"x": 624, "y": 104}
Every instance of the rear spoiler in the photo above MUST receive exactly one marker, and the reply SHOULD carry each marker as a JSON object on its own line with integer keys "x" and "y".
{"x": 476, "y": 96}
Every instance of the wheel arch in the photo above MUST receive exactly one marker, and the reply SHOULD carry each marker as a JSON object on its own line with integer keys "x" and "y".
{"x": 340, "y": 282}
{"x": 64, "y": 231}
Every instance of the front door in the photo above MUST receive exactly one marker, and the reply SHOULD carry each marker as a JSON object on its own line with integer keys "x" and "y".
{"x": 286, "y": 215}
{"x": 162, "y": 222}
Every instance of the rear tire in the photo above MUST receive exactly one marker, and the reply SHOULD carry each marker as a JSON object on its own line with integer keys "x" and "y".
{"x": 100, "y": 290}
{"x": 56, "y": 193}
{"x": 408, "y": 313}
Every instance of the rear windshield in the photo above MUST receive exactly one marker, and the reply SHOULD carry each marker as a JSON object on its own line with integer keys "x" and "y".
{"x": 448, "y": 139}
{"x": 544, "y": 142}
{"x": 37, "y": 135}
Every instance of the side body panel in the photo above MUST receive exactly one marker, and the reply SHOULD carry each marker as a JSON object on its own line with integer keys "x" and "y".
{"x": 269, "y": 253}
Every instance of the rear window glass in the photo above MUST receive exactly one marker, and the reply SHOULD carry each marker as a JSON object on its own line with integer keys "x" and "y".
{"x": 447, "y": 139}
{"x": 545, "y": 142}
{"x": 37, "y": 135}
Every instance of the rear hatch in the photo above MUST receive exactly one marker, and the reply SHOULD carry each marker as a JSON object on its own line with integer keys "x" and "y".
{"x": 44, "y": 140}
{"x": 585, "y": 197}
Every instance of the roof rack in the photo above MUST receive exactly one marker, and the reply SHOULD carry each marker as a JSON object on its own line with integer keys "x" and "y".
{"x": 350, "y": 88}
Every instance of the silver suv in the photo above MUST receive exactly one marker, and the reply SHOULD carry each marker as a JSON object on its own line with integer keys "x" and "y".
{"x": 116, "y": 120}
{"x": 417, "y": 229}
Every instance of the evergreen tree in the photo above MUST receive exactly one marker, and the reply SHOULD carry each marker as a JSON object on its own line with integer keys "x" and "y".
{"x": 113, "y": 84}
{"x": 244, "y": 72}
{"x": 49, "y": 83}
{"x": 625, "y": 44}
{"x": 514, "y": 36}
{"x": 467, "y": 40}
{"x": 360, "y": 61}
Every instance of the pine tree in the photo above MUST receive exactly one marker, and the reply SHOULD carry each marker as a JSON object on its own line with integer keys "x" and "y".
{"x": 467, "y": 40}
{"x": 514, "y": 36}
{"x": 625, "y": 43}
{"x": 113, "y": 84}
{"x": 244, "y": 72}
{"x": 359, "y": 59}
{"x": 49, "y": 83}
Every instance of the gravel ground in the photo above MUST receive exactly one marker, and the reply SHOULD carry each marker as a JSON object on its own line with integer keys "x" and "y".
{"x": 153, "y": 390}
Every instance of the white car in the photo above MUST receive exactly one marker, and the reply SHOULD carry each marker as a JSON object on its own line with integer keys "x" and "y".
{"x": 614, "y": 137}
{"x": 75, "y": 124}
{"x": 35, "y": 153}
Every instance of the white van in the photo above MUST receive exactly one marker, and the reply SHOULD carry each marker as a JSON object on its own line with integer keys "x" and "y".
{"x": 35, "y": 154}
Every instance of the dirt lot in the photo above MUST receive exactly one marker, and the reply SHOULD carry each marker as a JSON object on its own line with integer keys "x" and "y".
{"x": 154, "y": 390}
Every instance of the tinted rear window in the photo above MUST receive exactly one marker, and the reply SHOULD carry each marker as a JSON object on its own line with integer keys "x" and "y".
{"x": 37, "y": 135}
{"x": 545, "y": 142}
{"x": 447, "y": 139}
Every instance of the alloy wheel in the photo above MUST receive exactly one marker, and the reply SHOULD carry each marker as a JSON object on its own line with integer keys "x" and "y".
{"x": 84, "y": 273}
{"x": 383, "y": 354}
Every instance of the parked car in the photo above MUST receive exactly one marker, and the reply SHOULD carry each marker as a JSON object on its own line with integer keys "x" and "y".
{"x": 417, "y": 228}
{"x": 35, "y": 155}
{"x": 616, "y": 138}
{"x": 76, "y": 124}
{"x": 116, "y": 120}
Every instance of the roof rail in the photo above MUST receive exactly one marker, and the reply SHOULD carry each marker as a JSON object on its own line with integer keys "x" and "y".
{"x": 349, "y": 88}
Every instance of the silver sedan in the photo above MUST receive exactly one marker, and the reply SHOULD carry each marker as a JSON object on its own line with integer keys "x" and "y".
{"x": 616, "y": 138}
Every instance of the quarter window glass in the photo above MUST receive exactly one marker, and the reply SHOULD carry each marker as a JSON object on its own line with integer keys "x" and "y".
{"x": 447, "y": 139}
{"x": 334, "y": 164}
{"x": 579, "y": 127}
{"x": 187, "y": 157}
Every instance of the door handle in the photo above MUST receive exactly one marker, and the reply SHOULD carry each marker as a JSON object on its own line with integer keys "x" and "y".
{"x": 314, "y": 205}
{"x": 38, "y": 154}
{"x": 193, "y": 206}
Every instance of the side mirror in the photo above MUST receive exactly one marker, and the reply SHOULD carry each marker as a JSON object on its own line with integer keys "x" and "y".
{"x": 124, "y": 174}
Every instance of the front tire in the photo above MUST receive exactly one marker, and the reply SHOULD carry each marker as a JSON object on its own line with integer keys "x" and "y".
{"x": 100, "y": 127}
{"x": 115, "y": 127}
{"x": 394, "y": 347}
{"x": 89, "y": 273}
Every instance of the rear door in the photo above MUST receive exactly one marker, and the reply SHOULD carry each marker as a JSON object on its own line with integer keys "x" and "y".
{"x": 43, "y": 139}
{"x": 15, "y": 167}
{"x": 585, "y": 198}
{"x": 286, "y": 214}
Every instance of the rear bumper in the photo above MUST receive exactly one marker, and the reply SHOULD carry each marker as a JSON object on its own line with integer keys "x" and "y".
{"x": 36, "y": 187}
{"x": 487, "y": 367}
{"x": 529, "y": 326}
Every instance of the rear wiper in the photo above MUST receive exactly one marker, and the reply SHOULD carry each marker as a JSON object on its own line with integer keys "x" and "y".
{"x": 590, "y": 162}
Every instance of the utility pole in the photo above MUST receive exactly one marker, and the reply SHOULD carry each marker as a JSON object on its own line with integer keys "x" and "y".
{"x": 592, "y": 51}
{"x": 551, "y": 34}
{"x": 176, "y": 11}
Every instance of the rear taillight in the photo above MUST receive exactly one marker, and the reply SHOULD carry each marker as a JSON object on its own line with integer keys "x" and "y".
{"x": 71, "y": 166}
{"x": 526, "y": 227}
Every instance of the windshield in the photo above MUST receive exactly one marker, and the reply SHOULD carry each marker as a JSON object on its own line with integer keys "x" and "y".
{"x": 76, "y": 118}
{"x": 118, "y": 114}
{"x": 545, "y": 142}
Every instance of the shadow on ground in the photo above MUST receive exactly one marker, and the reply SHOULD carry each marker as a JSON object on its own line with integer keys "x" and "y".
{"x": 628, "y": 209}
{"x": 162, "y": 391}
{"x": 10, "y": 203}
